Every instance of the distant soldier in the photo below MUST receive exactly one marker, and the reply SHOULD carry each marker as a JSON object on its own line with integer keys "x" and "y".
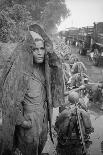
{"x": 78, "y": 79}
{"x": 67, "y": 118}
{"x": 73, "y": 58}
{"x": 78, "y": 67}
{"x": 67, "y": 72}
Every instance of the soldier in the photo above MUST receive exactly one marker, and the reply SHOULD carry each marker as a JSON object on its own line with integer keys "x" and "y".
{"x": 62, "y": 125}
{"x": 78, "y": 67}
{"x": 77, "y": 80}
{"x": 73, "y": 59}
{"x": 30, "y": 88}
{"x": 67, "y": 73}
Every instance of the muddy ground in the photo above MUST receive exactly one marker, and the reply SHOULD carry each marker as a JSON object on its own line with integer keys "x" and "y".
{"x": 96, "y": 139}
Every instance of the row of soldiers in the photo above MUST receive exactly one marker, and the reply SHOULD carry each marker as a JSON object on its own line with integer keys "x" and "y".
{"x": 75, "y": 75}
{"x": 30, "y": 86}
{"x": 78, "y": 89}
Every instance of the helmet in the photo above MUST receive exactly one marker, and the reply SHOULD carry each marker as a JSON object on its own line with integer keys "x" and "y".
{"x": 73, "y": 58}
{"x": 73, "y": 97}
{"x": 85, "y": 80}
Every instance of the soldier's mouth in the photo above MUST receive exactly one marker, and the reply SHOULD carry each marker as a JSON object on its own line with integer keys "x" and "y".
{"x": 40, "y": 58}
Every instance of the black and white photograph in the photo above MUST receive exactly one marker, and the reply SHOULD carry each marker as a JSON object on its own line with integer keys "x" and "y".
{"x": 51, "y": 77}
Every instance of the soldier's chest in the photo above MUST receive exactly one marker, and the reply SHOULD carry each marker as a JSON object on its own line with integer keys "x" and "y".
{"x": 36, "y": 82}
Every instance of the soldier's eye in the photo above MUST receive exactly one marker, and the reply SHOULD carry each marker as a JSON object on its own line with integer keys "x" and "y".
{"x": 36, "y": 49}
{"x": 42, "y": 48}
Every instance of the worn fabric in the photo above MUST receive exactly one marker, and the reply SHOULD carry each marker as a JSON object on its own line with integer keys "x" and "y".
{"x": 78, "y": 67}
{"x": 35, "y": 109}
{"x": 77, "y": 79}
{"x": 57, "y": 80}
{"x": 35, "y": 35}
{"x": 66, "y": 76}
{"x": 69, "y": 115}
{"x": 73, "y": 58}
{"x": 13, "y": 87}
{"x": 67, "y": 72}
{"x": 14, "y": 84}
{"x": 53, "y": 70}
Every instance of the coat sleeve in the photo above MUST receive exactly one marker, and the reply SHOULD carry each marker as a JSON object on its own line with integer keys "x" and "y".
{"x": 12, "y": 91}
{"x": 57, "y": 80}
{"x": 22, "y": 87}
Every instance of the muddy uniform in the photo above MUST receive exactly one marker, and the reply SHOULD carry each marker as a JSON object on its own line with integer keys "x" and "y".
{"x": 35, "y": 109}
{"x": 67, "y": 73}
{"x": 78, "y": 67}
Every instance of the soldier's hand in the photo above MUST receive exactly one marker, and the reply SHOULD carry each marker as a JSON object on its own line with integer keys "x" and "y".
{"x": 82, "y": 87}
{"x": 27, "y": 124}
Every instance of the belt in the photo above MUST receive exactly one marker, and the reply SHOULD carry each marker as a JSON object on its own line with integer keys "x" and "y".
{"x": 34, "y": 107}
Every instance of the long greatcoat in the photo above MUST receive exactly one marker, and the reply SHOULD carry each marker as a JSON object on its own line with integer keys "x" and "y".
{"x": 13, "y": 85}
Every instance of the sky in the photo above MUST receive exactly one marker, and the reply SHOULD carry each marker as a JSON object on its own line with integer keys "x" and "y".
{"x": 83, "y": 13}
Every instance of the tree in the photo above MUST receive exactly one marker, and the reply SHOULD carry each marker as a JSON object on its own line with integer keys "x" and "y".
{"x": 47, "y": 12}
{"x": 5, "y": 3}
{"x": 35, "y": 7}
{"x": 53, "y": 12}
{"x": 13, "y": 22}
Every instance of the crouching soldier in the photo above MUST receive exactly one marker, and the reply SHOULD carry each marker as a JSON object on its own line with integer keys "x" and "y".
{"x": 67, "y": 119}
{"x": 96, "y": 93}
{"x": 78, "y": 67}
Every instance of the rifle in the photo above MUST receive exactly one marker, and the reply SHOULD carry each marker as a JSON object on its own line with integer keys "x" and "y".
{"x": 66, "y": 93}
{"x": 84, "y": 86}
{"x": 78, "y": 120}
{"x": 80, "y": 130}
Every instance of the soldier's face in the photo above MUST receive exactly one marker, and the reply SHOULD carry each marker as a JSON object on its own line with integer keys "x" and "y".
{"x": 39, "y": 51}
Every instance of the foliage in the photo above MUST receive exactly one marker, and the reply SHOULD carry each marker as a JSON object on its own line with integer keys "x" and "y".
{"x": 18, "y": 14}
{"x": 35, "y": 7}
{"x": 4, "y": 26}
{"x": 53, "y": 12}
{"x": 5, "y": 3}
{"x": 14, "y": 21}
